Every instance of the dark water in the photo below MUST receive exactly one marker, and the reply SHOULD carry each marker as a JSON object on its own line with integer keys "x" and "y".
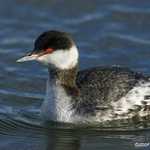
{"x": 107, "y": 32}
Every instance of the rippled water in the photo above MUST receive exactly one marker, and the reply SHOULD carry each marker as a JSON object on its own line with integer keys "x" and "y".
{"x": 107, "y": 32}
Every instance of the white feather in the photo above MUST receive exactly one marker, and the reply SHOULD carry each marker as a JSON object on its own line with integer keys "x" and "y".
{"x": 57, "y": 106}
{"x": 62, "y": 59}
{"x": 134, "y": 97}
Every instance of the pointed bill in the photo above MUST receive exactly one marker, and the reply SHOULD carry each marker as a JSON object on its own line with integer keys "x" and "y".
{"x": 28, "y": 58}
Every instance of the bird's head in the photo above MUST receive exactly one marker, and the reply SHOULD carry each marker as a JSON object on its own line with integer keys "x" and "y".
{"x": 54, "y": 48}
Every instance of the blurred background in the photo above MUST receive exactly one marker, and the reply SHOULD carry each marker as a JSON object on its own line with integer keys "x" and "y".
{"x": 107, "y": 32}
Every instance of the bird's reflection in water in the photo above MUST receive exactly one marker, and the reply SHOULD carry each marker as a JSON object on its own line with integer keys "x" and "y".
{"x": 62, "y": 139}
{"x": 76, "y": 139}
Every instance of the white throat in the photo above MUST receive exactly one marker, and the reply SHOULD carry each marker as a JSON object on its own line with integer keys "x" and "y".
{"x": 56, "y": 106}
{"x": 62, "y": 59}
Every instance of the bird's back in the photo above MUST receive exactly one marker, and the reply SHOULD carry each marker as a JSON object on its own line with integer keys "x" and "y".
{"x": 100, "y": 86}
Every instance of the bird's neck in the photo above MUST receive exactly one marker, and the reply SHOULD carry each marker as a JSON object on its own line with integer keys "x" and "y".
{"x": 65, "y": 77}
{"x": 61, "y": 90}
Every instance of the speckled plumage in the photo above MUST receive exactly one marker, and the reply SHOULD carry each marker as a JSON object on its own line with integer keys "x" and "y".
{"x": 100, "y": 86}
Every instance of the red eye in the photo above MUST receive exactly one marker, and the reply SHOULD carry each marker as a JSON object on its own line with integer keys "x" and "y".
{"x": 49, "y": 50}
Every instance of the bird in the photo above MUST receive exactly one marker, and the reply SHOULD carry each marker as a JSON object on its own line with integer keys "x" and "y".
{"x": 93, "y": 95}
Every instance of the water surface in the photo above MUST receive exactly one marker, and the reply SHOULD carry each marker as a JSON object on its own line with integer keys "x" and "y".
{"x": 107, "y": 32}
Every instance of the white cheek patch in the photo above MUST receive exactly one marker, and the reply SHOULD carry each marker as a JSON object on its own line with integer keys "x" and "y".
{"x": 62, "y": 59}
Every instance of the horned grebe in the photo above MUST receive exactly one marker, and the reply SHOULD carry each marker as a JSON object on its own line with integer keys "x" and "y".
{"x": 93, "y": 95}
